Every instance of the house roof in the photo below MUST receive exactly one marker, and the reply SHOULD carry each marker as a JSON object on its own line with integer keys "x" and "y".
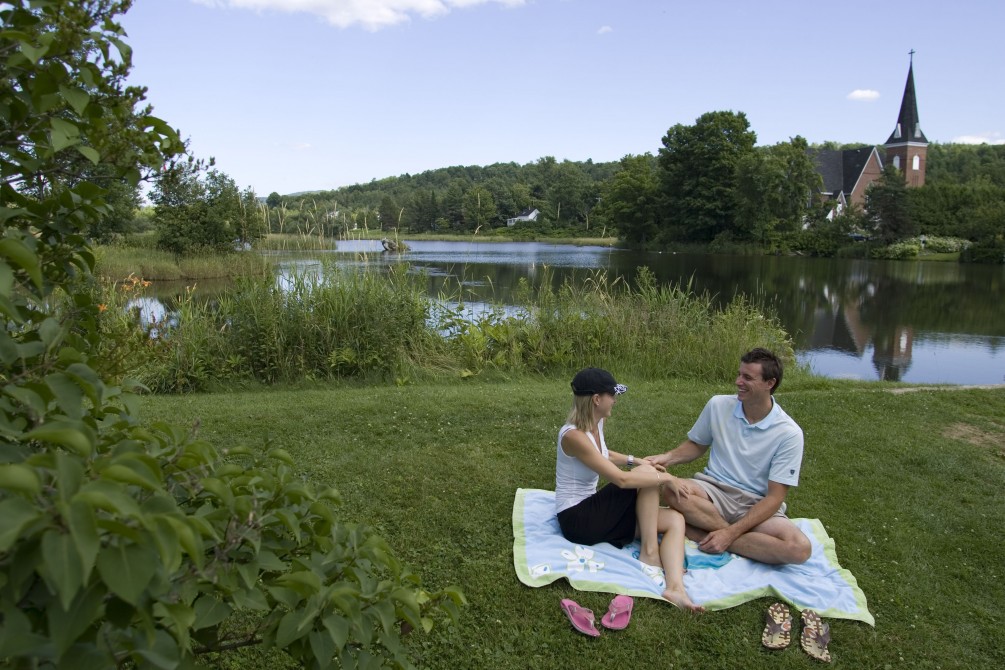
{"x": 908, "y": 128}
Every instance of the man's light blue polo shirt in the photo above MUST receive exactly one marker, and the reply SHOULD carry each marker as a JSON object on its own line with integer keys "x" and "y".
{"x": 748, "y": 455}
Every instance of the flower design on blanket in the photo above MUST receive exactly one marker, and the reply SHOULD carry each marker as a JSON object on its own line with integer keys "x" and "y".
{"x": 580, "y": 560}
{"x": 540, "y": 570}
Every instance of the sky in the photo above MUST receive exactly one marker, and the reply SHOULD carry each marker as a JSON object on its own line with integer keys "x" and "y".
{"x": 303, "y": 95}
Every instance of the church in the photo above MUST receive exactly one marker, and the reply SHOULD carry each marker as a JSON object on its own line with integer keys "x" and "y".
{"x": 848, "y": 173}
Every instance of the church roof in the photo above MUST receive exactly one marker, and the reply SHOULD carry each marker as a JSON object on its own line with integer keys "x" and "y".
{"x": 840, "y": 169}
{"x": 908, "y": 128}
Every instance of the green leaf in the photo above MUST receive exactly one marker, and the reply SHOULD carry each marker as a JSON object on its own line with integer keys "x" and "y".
{"x": 61, "y": 566}
{"x": 131, "y": 472}
{"x": 20, "y": 478}
{"x": 69, "y": 476}
{"x": 16, "y": 636}
{"x": 33, "y": 53}
{"x": 293, "y": 626}
{"x": 28, "y": 398}
{"x": 89, "y": 153}
{"x": 163, "y": 653}
{"x": 72, "y": 435}
{"x": 66, "y": 624}
{"x": 127, "y": 570}
{"x": 77, "y": 99}
{"x": 209, "y": 611}
{"x": 323, "y": 647}
{"x": 84, "y": 531}
{"x": 338, "y": 627}
{"x": 189, "y": 540}
{"x": 15, "y": 514}
{"x": 63, "y": 134}
{"x": 68, "y": 395}
{"x": 282, "y": 455}
{"x": 22, "y": 257}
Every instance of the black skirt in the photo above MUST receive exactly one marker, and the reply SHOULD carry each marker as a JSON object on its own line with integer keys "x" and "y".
{"x": 606, "y": 516}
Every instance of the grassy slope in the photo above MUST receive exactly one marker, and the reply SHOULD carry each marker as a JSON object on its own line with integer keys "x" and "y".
{"x": 908, "y": 485}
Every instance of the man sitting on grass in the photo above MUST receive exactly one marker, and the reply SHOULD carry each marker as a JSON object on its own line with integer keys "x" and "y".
{"x": 738, "y": 502}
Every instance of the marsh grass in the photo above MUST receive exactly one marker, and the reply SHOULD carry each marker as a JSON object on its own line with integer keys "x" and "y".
{"x": 117, "y": 263}
{"x": 345, "y": 323}
{"x": 907, "y": 485}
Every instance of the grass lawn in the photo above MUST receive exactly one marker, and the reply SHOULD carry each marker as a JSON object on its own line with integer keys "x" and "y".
{"x": 907, "y": 484}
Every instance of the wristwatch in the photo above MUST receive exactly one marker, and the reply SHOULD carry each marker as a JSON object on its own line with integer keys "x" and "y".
{"x": 631, "y": 461}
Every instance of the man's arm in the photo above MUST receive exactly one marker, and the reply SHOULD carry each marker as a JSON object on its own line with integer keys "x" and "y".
{"x": 718, "y": 541}
{"x": 686, "y": 452}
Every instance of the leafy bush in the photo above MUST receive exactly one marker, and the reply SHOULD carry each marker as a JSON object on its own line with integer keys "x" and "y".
{"x": 124, "y": 545}
{"x": 896, "y": 251}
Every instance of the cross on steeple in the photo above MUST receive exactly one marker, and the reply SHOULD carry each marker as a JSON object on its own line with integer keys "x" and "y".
{"x": 911, "y": 54}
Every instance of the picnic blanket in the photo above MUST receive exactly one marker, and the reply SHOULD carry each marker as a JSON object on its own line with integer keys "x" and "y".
{"x": 541, "y": 555}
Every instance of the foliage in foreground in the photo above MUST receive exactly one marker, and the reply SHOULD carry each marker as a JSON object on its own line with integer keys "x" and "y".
{"x": 122, "y": 544}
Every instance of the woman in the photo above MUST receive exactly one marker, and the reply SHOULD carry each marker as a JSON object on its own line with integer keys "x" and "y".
{"x": 626, "y": 508}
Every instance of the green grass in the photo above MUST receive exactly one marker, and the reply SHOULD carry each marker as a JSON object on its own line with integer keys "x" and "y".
{"x": 908, "y": 485}
{"x": 116, "y": 263}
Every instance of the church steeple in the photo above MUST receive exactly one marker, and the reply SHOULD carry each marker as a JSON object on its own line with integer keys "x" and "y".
{"x": 907, "y": 147}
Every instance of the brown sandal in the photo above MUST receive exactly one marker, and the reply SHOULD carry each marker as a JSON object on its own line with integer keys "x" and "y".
{"x": 778, "y": 630}
{"x": 815, "y": 637}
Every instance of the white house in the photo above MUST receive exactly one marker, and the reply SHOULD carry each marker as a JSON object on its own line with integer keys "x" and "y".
{"x": 529, "y": 214}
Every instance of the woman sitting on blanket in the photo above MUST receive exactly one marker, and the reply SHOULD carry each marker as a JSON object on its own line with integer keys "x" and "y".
{"x": 626, "y": 508}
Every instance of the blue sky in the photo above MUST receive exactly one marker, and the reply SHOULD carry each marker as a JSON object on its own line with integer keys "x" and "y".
{"x": 297, "y": 95}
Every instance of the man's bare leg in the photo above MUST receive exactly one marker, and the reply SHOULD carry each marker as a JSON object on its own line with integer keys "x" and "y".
{"x": 775, "y": 541}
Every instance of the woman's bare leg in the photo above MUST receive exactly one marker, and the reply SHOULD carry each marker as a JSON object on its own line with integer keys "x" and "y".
{"x": 671, "y": 523}
{"x": 647, "y": 515}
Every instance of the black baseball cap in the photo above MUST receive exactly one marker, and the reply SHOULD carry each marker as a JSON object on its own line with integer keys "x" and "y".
{"x": 596, "y": 380}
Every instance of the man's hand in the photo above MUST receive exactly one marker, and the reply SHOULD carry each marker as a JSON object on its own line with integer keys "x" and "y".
{"x": 661, "y": 460}
{"x": 717, "y": 541}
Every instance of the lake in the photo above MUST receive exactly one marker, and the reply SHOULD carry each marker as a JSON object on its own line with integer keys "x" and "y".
{"x": 911, "y": 321}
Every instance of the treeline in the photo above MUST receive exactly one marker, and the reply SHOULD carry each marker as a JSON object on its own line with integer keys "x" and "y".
{"x": 709, "y": 185}
{"x": 453, "y": 200}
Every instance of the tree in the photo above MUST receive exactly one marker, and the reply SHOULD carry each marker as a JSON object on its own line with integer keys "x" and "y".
{"x": 774, "y": 187}
{"x": 631, "y": 200}
{"x": 698, "y": 166}
{"x": 479, "y": 208}
{"x": 886, "y": 202}
{"x": 122, "y": 544}
{"x": 274, "y": 200}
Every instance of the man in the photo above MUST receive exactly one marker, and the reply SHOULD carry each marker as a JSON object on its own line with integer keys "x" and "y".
{"x": 738, "y": 502}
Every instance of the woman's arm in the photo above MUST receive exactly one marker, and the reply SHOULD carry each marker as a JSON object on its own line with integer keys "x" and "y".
{"x": 575, "y": 443}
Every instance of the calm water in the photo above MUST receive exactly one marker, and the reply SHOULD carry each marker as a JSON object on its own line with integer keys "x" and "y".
{"x": 906, "y": 321}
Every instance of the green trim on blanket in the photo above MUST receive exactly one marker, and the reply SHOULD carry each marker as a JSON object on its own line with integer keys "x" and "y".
{"x": 521, "y": 564}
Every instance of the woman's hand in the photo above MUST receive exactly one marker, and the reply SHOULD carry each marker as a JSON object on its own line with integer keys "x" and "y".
{"x": 679, "y": 487}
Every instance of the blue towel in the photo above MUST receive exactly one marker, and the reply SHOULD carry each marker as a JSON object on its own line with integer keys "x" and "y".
{"x": 541, "y": 555}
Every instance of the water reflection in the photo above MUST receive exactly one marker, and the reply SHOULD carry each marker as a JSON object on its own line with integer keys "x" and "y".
{"x": 906, "y": 321}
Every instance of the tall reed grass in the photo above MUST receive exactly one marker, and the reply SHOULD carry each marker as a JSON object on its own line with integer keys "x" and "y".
{"x": 344, "y": 323}
{"x": 117, "y": 263}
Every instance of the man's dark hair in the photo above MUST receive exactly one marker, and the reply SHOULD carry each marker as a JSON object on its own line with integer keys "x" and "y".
{"x": 771, "y": 367}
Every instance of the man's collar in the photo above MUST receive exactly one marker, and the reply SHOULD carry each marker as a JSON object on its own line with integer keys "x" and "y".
{"x": 764, "y": 423}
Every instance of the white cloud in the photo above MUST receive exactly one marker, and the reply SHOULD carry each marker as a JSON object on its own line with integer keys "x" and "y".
{"x": 371, "y": 14}
{"x": 982, "y": 138}
{"x": 604, "y": 30}
{"x": 863, "y": 95}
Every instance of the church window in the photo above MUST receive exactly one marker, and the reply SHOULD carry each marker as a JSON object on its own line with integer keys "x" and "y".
{"x": 896, "y": 133}
{"x": 896, "y": 162}
{"x": 916, "y": 163}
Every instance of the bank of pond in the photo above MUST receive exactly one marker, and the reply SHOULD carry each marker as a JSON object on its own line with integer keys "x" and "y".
{"x": 922, "y": 322}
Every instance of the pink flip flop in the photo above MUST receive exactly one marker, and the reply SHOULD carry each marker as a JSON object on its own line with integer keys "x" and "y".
{"x": 619, "y": 613}
{"x": 580, "y": 618}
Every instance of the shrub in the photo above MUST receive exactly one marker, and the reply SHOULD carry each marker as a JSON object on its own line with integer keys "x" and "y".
{"x": 124, "y": 545}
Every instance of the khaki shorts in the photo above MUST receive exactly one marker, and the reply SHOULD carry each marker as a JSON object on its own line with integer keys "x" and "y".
{"x": 732, "y": 503}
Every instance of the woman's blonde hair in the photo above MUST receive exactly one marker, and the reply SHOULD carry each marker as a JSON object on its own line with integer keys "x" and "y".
{"x": 581, "y": 414}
